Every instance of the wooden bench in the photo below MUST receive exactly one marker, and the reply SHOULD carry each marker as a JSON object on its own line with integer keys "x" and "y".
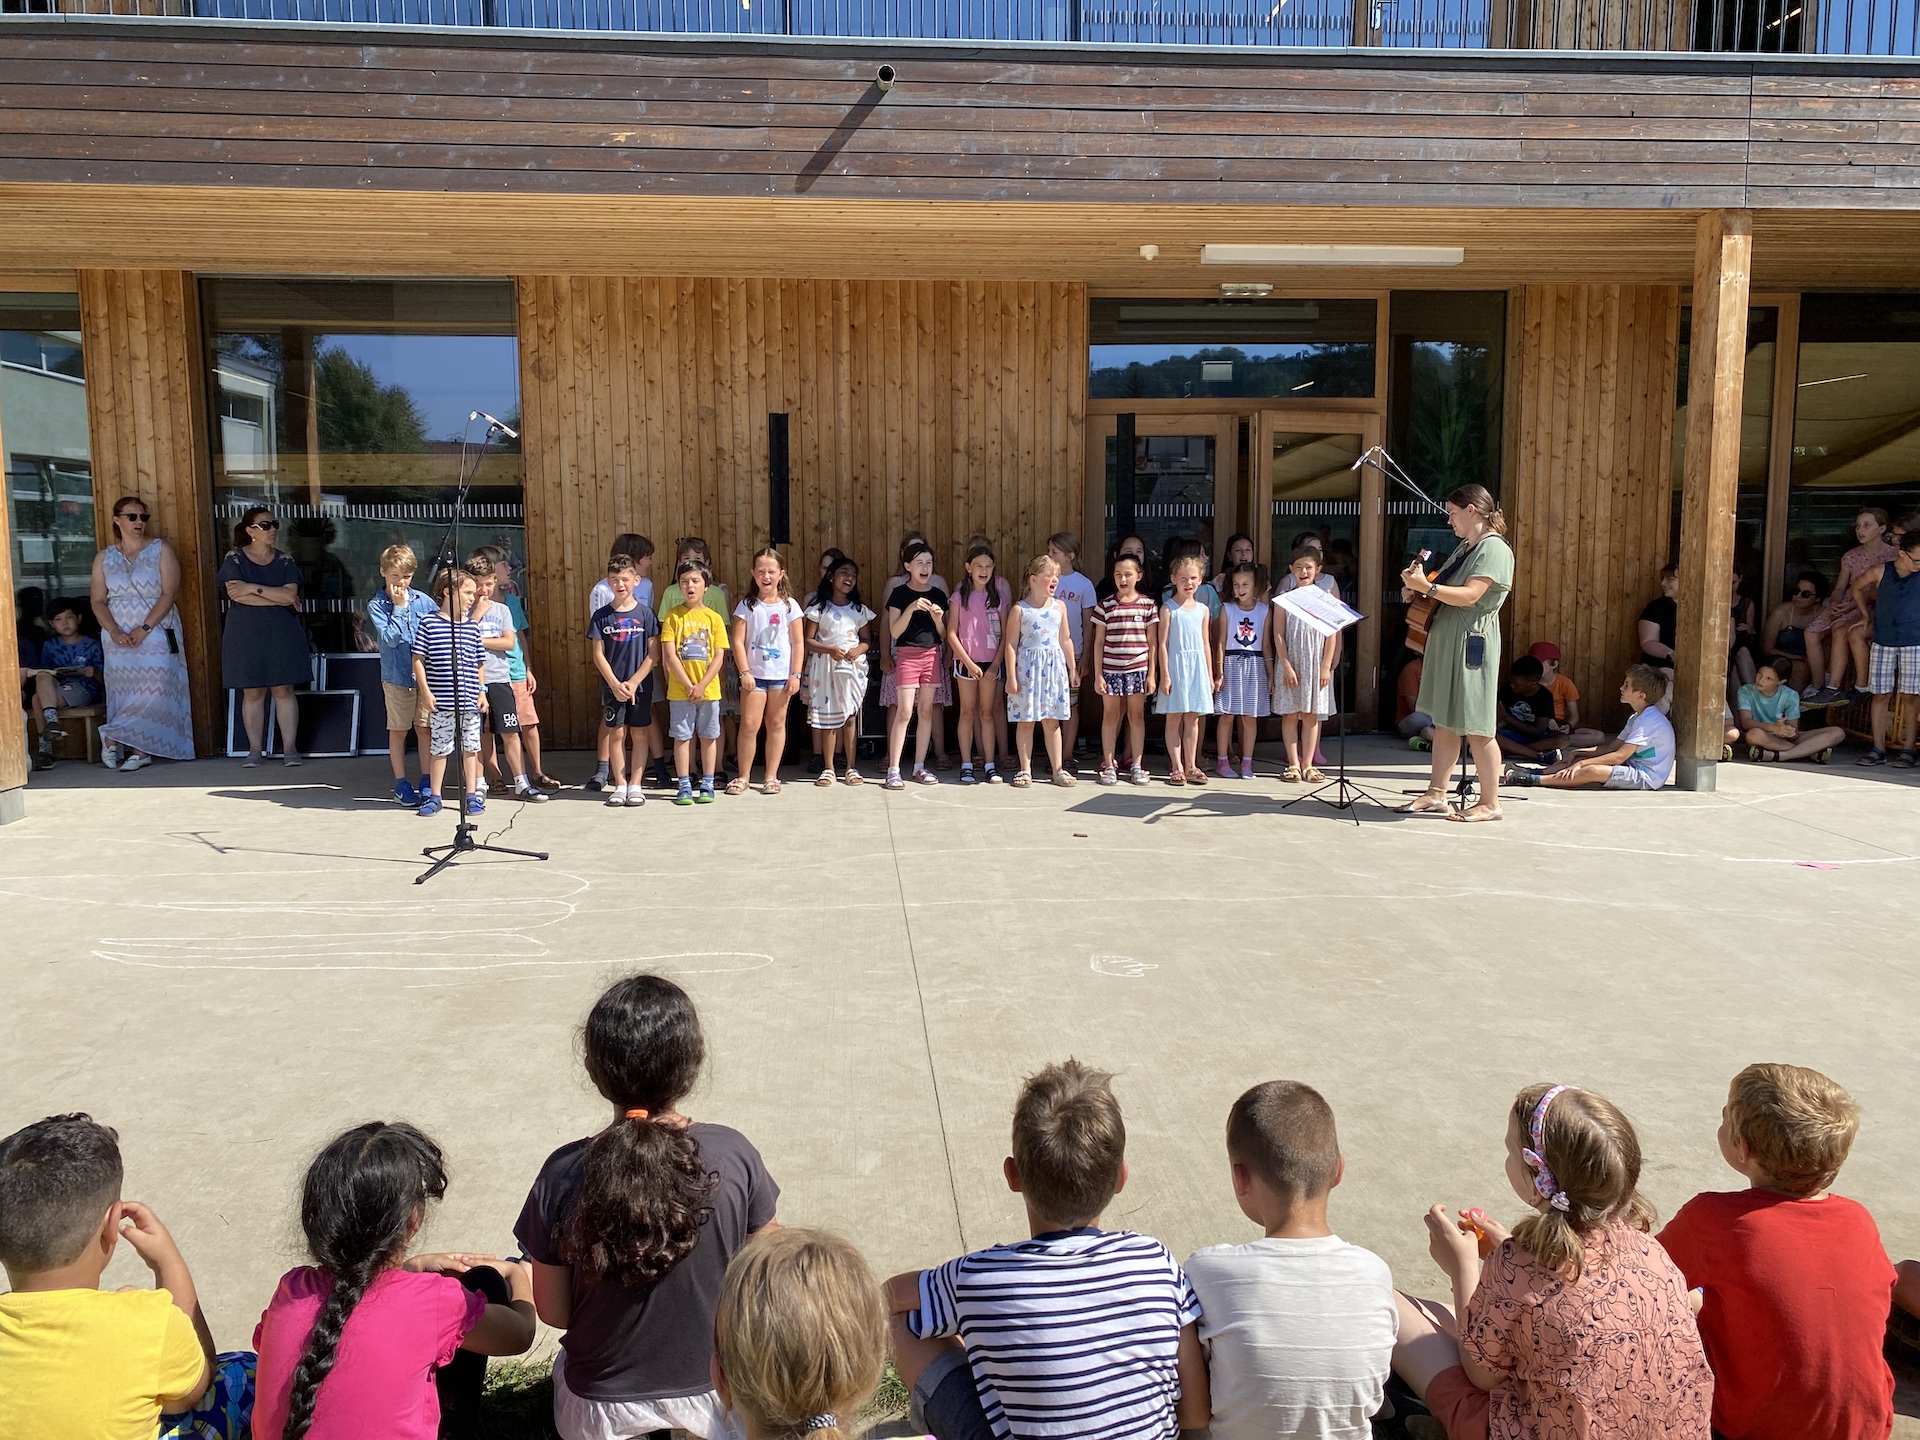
{"x": 82, "y": 741}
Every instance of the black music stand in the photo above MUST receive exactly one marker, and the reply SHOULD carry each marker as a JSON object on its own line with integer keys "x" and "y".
{"x": 1347, "y": 795}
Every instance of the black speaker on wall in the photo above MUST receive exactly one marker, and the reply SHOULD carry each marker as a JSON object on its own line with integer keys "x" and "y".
{"x": 779, "y": 520}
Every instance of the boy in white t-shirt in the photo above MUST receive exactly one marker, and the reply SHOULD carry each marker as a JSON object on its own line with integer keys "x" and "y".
{"x": 1075, "y": 591}
{"x": 1299, "y": 1325}
{"x": 1641, "y": 759}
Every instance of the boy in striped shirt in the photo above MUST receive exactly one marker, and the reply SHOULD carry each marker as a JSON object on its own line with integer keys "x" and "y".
{"x": 1078, "y": 1331}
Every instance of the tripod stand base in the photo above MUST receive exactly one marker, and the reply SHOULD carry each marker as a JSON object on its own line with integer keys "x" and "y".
{"x": 465, "y": 844}
{"x": 1347, "y": 795}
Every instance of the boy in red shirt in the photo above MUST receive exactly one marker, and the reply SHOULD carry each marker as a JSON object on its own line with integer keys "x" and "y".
{"x": 1796, "y": 1283}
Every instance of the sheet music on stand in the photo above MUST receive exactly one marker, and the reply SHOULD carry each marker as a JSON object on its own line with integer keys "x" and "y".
{"x": 1325, "y": 613}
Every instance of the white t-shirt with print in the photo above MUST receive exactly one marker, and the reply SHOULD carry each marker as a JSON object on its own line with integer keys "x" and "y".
{"x": 1075, "y": 591}
{"x": 769, "y": 636}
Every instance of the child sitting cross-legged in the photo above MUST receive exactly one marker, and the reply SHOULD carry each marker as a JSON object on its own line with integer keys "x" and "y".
{"x": 1574, "y": 1324}
{"x": 80, "y": 1361}
{"x": 1795, "y": 1281}
{"x": 1298, "y": 1326}
{"x": 1076, "y": 1331}
{"x": 1770, "y": 722}
{"x": 1641, "y": 759}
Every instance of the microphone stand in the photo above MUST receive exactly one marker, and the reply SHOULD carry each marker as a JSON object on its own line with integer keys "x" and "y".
{"x": 447, "y": 559}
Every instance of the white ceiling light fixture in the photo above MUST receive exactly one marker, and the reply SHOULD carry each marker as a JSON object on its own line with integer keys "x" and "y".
{"x": 1332, "y": 254}
{"x": 1257, "y": 290}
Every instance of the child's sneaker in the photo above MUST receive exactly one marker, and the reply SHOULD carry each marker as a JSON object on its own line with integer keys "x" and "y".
{"x": 405, "y": 794}
{"x": 993, "y": 775}
{"x": 662, "y": 775}
{"x": 1225, "y": 767}
{"x": 1419, "y": 742}
{"x": 43, "y": 755}
{"x": 705, "y": 797}
{"x": 50, "y": 725}
{"x": 894, "y": 782}
{"x": 684, "y": 794}
{"x": 1246, "y": 769}
{"x": 430, "y": 804}
{"x": 967, "y": 777}
{"x": 616, "y": 796}
{"x": 476, "y": 805}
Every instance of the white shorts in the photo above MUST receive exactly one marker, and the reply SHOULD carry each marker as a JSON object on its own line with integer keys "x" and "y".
{"x": 577, "y": 1418}
{"x": 1631, "y": 777}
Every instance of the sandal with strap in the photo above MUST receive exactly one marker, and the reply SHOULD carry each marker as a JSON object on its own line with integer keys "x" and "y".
{"x": 1291, "y": 774}
{"x": 772, "y": 787}
{"x": 1475, "y": 816}
{"x": 1109, "y": 775}
{"x": 737, "y": 785}
{"x": 1313, "y": 776}
{"x": 1904, "y": 760}
{"x": 1064, "y": 780}
{"x": 1431, "y": 802}
{"x": 1197, "y": 775}
{"x": 824, "y": 781}
{"x": 1875, "y": 756}
{"x": 1022, "y": 779}
{"x": 1176, "y": 776}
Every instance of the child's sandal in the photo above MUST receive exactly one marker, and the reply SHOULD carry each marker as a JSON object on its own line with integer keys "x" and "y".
{"x": 1291, "y": 774}
{"x": 1176, "y": 776}
{"x": 1197, "y": 775}
{"x": 1313, "y": 775}
{"x": 772, "y": 787}
{"x": 737, "y": 785}
{"x": 1064, "y": 780}
{"x": 824, "y": 781}
{"x": 1904, "y": 760}
{"x": 1875, "y": 756}
{"x": 1022, "y": 779}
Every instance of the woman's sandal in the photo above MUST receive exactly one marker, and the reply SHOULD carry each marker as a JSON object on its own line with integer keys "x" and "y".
{"x": 737, "y": 785}
{"x": 1875, "y": 756}
{"x": 1431, "y": 802}
{"x": 1475, "y": 815}
{"x": 1022, "y": 779}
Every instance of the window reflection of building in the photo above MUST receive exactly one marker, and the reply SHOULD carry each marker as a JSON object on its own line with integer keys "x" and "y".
{"x": 1222, "y": 349}
{"x": 44, "y": 449}
{"x": 341, "y": 405}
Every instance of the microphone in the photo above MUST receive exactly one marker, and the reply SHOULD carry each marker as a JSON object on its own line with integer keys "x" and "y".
{"x": 494, "y": 424}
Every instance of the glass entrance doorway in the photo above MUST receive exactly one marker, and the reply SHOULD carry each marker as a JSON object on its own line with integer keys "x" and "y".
{"x": 1181, "y": 484}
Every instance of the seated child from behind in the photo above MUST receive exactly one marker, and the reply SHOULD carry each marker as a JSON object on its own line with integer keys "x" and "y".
{"x": 76, "y": 1360}
{"x": 1077, "y": 1330}
{"x": 1298, "y": 1326}
{"x": 1796, "y": 1281}
{"x": 1641, "y": 759}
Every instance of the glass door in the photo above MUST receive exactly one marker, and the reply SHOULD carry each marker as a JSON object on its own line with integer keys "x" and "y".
{"x": 1304, "y": 472}
{"x": 1181, "y": 481}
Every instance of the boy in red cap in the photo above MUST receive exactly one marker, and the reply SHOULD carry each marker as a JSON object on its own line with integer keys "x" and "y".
{"x": 1566, "y": 697}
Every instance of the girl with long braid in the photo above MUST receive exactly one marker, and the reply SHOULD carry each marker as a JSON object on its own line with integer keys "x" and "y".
{"x": 353, "y": 1345}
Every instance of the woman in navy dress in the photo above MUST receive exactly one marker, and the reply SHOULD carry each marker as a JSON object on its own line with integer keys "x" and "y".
{"x": 263, "y": 650}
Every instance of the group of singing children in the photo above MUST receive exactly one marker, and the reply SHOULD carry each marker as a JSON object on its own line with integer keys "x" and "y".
{"x": 652, "y": 1244}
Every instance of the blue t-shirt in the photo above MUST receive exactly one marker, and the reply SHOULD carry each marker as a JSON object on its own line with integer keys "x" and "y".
{"x": 625, "y": 637}
{"x": 516, "y": 657}
{"x": 58, "y": 654}
{"x": 451, "y": 655}
{"x": 1785, "y": 704}
{"x": 1651, "y": 735}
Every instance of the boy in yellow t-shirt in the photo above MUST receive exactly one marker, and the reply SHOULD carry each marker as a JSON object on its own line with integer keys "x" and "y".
{"x": 78, "y": 1360}
{"x": 693, "y": 640}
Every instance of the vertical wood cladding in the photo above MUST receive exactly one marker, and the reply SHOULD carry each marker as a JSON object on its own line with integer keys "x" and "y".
{"x": 146, "y": 420}
{"x": 951, "y": 407}
{"x": 1591, "y": 495}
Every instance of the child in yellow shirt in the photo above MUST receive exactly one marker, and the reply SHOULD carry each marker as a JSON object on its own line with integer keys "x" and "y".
{"x": 693, "y": 642}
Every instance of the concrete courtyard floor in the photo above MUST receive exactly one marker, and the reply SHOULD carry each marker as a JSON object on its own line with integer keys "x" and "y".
{"x": 231, "y": 965}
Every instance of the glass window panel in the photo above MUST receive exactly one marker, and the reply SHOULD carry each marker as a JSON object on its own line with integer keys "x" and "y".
{"x": 1173, "y": 490}
{"x": 1756, "y": 438}
{"x": 1856, "y": 431}
{"x": 1315, "y": 491}
{"x": 44, "y": 451}
{"x": 1209, "y": 349}
{"x": 342, "y": 406}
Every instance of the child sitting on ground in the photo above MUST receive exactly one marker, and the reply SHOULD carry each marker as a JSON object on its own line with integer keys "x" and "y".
{"x": 1770, "y": 722}
{"x": 1795, "y": 1280}
{"x": 1528, "y": 729}
{"x": 1566, "y": 696}
{"x": 1077, "y": 1330}
{"x": 395, "y": 616}
{"x": 67, "y": 676}
{"x": 1298, "y": 1326}
{"x": 630, "y": 1230}
{"x": 446, "y": 670}
{"x": 367, "y": 1341}
{"x": 1642, "y": 758}
{"x": 76, "y": 1360}
{"x": 1577, "y": 1323}
{"x": 800, "y": 1336}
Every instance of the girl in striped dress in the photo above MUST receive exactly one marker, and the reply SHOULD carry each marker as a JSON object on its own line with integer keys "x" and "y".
{"x": 1303, "y": 679}
{"x": 1243, "y": 651}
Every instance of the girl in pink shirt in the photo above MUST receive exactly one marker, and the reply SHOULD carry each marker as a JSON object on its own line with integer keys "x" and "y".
{"x": 1577, "y": 1323}
{"x": 357, "y": 1345}
{"x": 976, "y": 623}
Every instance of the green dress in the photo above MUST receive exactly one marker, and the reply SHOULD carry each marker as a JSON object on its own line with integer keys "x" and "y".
{"x": 1457, "y": 698}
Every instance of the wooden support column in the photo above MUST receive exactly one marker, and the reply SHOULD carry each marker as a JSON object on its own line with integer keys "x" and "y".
{"x": 147, "y": 422}
{"x": 1710, "y": 487}
{"x": 13, "y": 724}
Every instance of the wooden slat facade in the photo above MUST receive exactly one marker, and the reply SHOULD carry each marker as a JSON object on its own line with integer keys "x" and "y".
{"x": 13, "y": 723}
{"x": 1589, "y": 492}
{"x": 146, "y": 413}
{"x": 952, "y": 407}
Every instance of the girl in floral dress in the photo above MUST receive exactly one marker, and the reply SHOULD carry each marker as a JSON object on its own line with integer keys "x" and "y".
{"x": 1039, "y": 665}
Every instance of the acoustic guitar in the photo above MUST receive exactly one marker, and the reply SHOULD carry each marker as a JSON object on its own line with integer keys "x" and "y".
{"x": 1420, "y": 611}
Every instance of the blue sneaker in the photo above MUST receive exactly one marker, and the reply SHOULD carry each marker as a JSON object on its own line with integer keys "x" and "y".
{"x": 405, "y": 794}
{"x": 430, "y": 805}
{"x": 684, "y": 795}
{"x": 705, "y": 797}
{"x": 475, "y": 805}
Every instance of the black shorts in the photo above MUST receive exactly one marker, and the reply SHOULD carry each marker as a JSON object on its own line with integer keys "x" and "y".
{"x": 503, "y": 710}
{"x": 634, "y": 714}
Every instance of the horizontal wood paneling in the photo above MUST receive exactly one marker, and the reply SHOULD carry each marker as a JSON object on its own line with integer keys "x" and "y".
{"x": 947, "y": 406}
{"x": 146, "y": 420}
{"x": 231, "y": 105}
{"x": 1589, "y": 499}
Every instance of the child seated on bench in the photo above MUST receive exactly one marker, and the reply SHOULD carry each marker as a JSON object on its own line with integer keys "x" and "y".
{"x": 67, "y": 677}
{"x": 1770, "y": 722}
{"x": 1642, "y": 758}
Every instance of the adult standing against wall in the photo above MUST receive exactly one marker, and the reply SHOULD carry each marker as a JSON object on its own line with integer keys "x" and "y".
{"x": 263, "y": 650}
{"x": 135, "y": 580}
{"x": 1460, "y": 680}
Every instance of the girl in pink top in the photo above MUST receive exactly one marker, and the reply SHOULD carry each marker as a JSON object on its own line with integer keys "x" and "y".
{"x": 976, "y": 621}
{"x": 1842, "y": 618}
{"x": 1576, "y": 1324}
{"x": 367, "y": 1342}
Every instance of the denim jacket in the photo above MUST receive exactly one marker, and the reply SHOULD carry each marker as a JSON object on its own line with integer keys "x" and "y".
{"x": 394, "y": 629}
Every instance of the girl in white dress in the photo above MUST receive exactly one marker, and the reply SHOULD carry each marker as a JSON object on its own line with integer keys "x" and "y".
{"x": 1038, "y": 660}
{"x": 1303, "y": 680}
{"x": 837, "y": 666}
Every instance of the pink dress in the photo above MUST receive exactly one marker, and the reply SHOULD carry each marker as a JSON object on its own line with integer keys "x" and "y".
{"x": 1840, "y": 607}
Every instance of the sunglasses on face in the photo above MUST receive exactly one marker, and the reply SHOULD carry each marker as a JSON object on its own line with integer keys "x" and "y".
{"x": 136, "y": 517}
{"x": 1805, "y": 594}
{"x": 264, "y": 525}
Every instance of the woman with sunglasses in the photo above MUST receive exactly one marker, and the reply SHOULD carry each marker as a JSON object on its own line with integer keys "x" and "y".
{"x": 263, "y": 650}
{"x": 135, "y": 580}
{"x": 1784, "y": 637}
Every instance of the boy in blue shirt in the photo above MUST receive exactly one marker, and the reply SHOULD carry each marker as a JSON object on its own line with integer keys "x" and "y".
{"x": 395, "y": 616}
{"x": 625, "y": 647}
{"x": 67, "y": 676}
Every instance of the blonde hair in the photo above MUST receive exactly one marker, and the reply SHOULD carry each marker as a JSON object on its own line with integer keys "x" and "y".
{"x": 767, "y": 552}
{"x": 1648, "y": 681}
{"x": 1181, "y": 562}
{"x": 1796, "y": 1123}
{"x": 399, "y": 557}
{"x": 800, "y": 1333}
{"x": 1594, "y": 1156}
{"x": 1040, "y": 565}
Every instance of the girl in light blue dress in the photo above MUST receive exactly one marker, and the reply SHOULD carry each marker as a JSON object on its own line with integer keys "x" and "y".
{"x": 1187, "y": 681}
{"x": 1039, "y": 669}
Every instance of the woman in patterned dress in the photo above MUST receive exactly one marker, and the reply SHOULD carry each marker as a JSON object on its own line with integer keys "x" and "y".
{"x": 135, "y": 580}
